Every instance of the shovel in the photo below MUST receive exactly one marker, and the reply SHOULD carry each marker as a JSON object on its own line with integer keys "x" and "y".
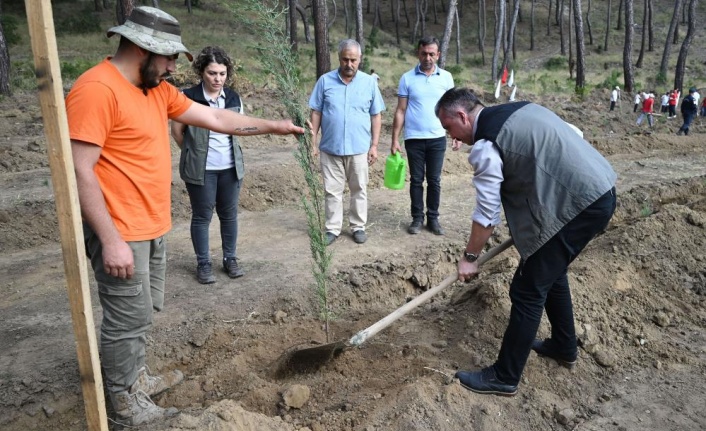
{"x": 311, "y": 358}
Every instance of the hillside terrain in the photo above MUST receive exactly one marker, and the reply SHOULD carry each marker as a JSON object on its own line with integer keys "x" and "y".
{"x": 639, "y": 293}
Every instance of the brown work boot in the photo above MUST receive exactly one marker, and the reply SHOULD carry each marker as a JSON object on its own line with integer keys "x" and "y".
{"x": 155, "y": 385}
{"x": 138, "y": 408}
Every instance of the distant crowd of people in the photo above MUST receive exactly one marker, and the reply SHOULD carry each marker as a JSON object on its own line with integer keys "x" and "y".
{"x": 645, "y": 101}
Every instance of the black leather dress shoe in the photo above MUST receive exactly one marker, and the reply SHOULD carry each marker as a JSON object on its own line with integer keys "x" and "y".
{"x": 548, "y": 348}
{"x": 485, "y": 382}
{"x": 435, "y": 227}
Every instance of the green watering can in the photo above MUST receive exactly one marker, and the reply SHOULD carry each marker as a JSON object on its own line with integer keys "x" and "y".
{"x": 395, "y": 171}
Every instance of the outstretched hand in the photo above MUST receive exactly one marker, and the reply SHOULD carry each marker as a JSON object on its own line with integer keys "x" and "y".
{"x": 287, "y": 127}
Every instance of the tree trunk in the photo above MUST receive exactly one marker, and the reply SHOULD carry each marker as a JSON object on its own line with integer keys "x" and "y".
{"x": 397, "y": 24}
{"x": 643, "y": 40}
{"x": 433, "y": 9}
{"x": 607, "y": 27}
{"x": 155, "y": 4}
{"x": 377, "y": 16}
{"x": 359, "y": 24}
{"x": 511, "y": 34}
{"x": 560, "y": 8}
{"x": 549, "y": 18}
{"x": 323, "y": 57}
{"x": 458, "y": 35}
{"x": 627, "y": 48}
{"x": 481, "y": 29}
{"x": 98, "y": 5}
{"x": 4, "y": 64}
{"x": 305, "y": 21}
{"x": 662, "y": 77}
{"x": 188, "y": 5}
{"x": 333, "y": 16}
{"x": 580, "y": 52}
{"x": 347, "y": 17}
{"x": 448, "y": 28}
{"x": 106, "y": 4}
{"x": 425, "y": 7}
{"x": 123, "y": 9}
{"x": 418, "y": 10}
{"x": 588, "y": 23}
{"x": 619, "y": 24}
{"x": 532, "y": 26}
{"x": 571, "y": 47}
{"x": 499, "y": 31}
{"x": 684, "y": 51}
{"x": 650, "y": 27}
{"x": 557, "y": 12}
{"x": 293, "y": 38}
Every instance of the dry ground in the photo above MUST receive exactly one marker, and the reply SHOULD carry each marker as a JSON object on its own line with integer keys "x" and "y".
{"x": 639, "y": 294}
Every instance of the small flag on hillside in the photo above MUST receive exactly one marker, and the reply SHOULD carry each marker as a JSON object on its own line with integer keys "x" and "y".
{"x": 497, "y": 90}
{"x": 511, "y": 81}
{"x": 504, "y": 78}
{"x": 512, "y": 95}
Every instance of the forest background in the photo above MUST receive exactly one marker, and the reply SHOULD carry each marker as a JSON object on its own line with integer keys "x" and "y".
{"x": 550, "y": 47}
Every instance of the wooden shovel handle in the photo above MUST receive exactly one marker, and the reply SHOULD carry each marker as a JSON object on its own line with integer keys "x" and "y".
{"x": 386, "y": 321}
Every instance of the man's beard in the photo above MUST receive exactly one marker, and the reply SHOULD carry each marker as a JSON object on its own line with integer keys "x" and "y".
{"x": 148, "y": 75}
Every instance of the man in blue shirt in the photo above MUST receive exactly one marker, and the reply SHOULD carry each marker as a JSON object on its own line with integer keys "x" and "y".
{"x": 425, "y": 139}
{"x": 346, "y": 105}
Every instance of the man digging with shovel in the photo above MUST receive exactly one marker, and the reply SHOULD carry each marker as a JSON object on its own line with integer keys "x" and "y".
{"x": 557, "y": 192}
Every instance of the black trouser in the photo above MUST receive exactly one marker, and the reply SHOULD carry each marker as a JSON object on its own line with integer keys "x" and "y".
{"x": 426, "y": 158}
{"x": 540, "y": 283}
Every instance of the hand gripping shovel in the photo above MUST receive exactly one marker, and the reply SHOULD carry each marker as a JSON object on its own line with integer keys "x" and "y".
{"x": 311, "y": 358}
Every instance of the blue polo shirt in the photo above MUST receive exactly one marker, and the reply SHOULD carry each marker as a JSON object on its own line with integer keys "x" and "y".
{"x": 345, "y": 112}
{"x": 422, "y": 93}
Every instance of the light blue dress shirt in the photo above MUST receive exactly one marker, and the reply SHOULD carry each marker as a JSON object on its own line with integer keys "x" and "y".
{"x": 422, "y": 93}
{"x": 345, "y": 112}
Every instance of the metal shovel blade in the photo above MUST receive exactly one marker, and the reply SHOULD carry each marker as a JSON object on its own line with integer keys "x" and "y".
{"x": 298, "y": 360}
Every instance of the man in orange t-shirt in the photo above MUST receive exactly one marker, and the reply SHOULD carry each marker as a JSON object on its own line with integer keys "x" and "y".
{"x": 117, "y": 113}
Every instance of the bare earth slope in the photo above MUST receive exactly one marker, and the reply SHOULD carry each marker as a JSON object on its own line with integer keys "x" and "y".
{"x": 639, "y": 292}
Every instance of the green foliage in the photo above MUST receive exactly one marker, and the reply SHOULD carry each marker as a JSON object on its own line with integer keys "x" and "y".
{"x": 661, "y": 78}
{"x": 583, "y": 92}
{"x": 10, "y": 25}
{"x": 80, "y": 22}
{"x": 22, "y": 76}
{"x": 556, "y": 63}
{"x": 455, "y": 70}
{"x": 72, "y": 70}
{"x": 401, "y": 55}
{"x": 277, "y": 57}
{"x": 646, "y": 209}
{"x": 474, "y": 61}
{"x": 372, "y": 42}
{"x": 612, "y": 81}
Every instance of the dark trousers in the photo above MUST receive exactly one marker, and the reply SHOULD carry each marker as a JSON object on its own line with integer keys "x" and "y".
{"x": 221, "y": 190}
{"x": 672, "y": 110}
{"x": 612, "y": 105}
{"x": 540, "y": 283}
{"x": 688, "y": 118}
{"x": 426, "y": 157}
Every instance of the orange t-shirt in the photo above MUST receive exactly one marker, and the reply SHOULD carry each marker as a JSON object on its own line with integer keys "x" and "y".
{"x": 134, "y": 169}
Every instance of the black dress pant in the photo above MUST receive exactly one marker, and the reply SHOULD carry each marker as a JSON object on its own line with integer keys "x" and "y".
{"x": 540, "y": 283}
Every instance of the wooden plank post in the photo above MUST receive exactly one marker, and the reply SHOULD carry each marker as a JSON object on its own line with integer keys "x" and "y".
{"x": 51, "y": 98}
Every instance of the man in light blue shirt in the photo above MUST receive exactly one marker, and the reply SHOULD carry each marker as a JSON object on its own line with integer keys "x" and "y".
{"x": 424, "y": 138}
{"x": 346, "y": 105}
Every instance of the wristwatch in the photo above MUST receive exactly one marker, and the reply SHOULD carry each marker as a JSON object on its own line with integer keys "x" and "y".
{"x": 470, "y": 257}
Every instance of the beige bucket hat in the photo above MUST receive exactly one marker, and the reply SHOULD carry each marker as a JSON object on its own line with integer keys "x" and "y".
{"x": 154, "y": 30}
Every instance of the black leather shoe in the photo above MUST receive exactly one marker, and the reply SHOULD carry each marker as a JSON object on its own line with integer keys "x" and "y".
{"x": 435, "y": 227}
{"x": 415, "y": 227}
{"x": 485, "y": 382}
{"x": 548, "y": 348}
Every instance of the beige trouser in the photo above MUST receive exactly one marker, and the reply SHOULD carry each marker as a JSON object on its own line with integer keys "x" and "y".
{"x": 338, "y": 171}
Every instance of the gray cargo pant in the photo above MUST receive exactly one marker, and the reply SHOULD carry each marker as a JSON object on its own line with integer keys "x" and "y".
{"x": 127, "y": 307}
